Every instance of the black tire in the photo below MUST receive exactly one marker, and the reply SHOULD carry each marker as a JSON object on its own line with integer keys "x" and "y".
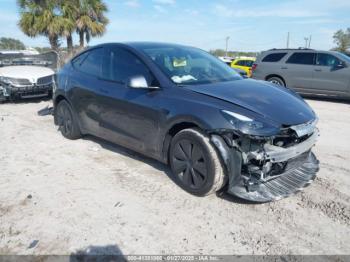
{"x": 276, "y": 80}
{"x": 67, "y": 121}
{"x": 195, "y": 163}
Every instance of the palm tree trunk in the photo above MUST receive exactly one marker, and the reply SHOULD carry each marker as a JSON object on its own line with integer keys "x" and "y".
{"x": 81, "y": 39}
{"x": 70, "y": 44}
{"x": 54, "y": 42}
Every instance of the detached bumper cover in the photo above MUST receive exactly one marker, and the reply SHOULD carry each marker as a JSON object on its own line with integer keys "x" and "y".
{"x": 284, "y": 185}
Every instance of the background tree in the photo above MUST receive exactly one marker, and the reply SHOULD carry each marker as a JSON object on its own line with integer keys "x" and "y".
{"x": 69, "y": 11}
{"x": 342, "y": 40}
{"x": 11, "y": 44}
{"x": 90, "y": 19}
{"x": 221, "y": 52}
{"x": 61, "y": 18}
{"x": 42, "y": 17}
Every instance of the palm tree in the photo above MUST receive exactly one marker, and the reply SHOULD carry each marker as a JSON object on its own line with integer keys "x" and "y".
{"x": 90, "y": 19}
{"x": 41, "y": 17}
{"x": 69, "y": 11}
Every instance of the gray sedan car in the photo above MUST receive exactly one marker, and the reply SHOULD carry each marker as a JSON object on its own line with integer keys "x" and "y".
{"x": 307, "y": 71}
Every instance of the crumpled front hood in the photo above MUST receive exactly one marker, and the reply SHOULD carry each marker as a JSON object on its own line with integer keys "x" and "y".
{"x": 32, "y": 73}
{"x": 268, "y": 100}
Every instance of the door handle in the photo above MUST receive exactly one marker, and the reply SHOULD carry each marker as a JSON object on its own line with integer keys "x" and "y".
{"x": 284, "y": 67}
{"x": 318, "y": 70}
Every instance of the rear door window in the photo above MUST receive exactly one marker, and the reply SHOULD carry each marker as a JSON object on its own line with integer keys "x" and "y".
{"x": 249, "y": 63}
{"x": 90, "y": 62}
{"x": 302, "y": 58}
{"x": 241, "y": 63}
{"x": 275, "y": 57}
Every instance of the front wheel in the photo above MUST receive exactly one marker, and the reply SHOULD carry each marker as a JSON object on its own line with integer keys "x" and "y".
{"x": 276, "y": 80}
{"x": 195, "y": 163}
{"x": 66, "y": 120}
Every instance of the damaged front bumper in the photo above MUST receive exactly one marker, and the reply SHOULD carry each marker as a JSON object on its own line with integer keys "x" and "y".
{"x": 26, "y": 90}
{"x": 263, "y": 170}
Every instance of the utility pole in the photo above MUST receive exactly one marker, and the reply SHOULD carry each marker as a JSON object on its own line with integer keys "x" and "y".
{"x": 306, "y": 41}
{"x": 310, "y": 41}
{"x": 288, "y": 40}
{"x": 227, "y": 38}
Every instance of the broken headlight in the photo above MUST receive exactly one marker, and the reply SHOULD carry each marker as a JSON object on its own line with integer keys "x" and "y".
{"x": 249, "y": 126}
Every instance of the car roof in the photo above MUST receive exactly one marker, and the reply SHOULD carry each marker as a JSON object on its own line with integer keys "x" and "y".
{"x": 142, "y": 45}
{"x": 296, "y": 50}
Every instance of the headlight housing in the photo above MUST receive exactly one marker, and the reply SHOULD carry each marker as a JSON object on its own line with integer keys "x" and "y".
{"x": 5, "y": 80}
{"x": 248, "y": 125}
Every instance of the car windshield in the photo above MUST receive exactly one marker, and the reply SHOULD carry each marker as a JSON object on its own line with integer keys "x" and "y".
{"x": 190, "y": 66}
{"x": 345, "y": 57}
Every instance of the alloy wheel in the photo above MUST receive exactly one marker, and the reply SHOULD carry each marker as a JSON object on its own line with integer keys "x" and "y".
{"x": 64, "y": 118}
{"x": 189, "y": 164}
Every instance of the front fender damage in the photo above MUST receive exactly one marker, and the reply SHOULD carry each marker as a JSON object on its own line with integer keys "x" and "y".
{"x": 265, "y": 169}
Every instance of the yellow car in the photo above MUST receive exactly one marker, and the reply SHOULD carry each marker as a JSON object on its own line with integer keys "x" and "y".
{"x": 244, "y": 63}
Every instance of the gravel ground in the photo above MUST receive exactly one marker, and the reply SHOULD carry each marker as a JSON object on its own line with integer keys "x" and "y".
{"x": 59, "y": 196}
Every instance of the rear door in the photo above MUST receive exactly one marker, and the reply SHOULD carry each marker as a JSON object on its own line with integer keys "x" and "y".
{"x": 298, "y": 71}
{"x": 329, "y": 76}
{"x": 85, "y": 84}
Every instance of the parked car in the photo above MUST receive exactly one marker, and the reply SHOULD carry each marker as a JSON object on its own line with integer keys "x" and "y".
{"x": 26, "y": 75}
{"x": 226, "y": 59}
{"x": 184, "y": 107}
{"x": 244, "y": 63}
{"x": 306, "y": 71}
{"x": 243, "y": 73}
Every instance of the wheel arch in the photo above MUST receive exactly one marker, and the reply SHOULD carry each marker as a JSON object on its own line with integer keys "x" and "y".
{"x": 56, "y": 101}
{"x": 175, "y": 127}
{"x": 58, "y": 98}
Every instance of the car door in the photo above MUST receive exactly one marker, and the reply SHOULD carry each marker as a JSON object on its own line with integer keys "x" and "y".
{"x": 129, "y": 116}
{"x": 298, "y": 71}
{"x": 331, "y": 75}
{"x": 85, "y": 84}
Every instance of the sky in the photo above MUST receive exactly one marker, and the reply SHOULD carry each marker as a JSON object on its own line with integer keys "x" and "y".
{"x": 252, "y": 25}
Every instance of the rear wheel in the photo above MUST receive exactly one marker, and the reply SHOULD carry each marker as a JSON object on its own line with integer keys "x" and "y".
{"x": 66, "y": 120}
{"x": 195, "y": 163}
{"x": 276, "y": 80}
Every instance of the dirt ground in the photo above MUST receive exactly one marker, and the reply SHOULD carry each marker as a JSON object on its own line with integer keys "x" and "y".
{"x": 59, "y": 196}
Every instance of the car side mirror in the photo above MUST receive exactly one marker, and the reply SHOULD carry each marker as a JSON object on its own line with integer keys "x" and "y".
{"x": 341, "y": 65}
{"x": 139, "y": 82}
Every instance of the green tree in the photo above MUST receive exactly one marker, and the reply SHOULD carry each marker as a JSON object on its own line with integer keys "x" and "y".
{"x": 11, "y": 44}
{"x": 69, "y": 11}
{"x": 90, "y": 19}
{"x": 342, "y": 40}
{"x": 42, "y": 17}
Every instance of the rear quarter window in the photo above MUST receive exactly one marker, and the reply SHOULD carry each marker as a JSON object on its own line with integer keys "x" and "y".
{"x": 275, "y": 57}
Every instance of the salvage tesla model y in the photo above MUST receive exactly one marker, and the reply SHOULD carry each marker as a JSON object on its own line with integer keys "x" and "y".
{"x": 184, "y": 107}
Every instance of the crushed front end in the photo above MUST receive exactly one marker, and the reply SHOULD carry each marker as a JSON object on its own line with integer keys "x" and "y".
{"x": 268, "y": 168}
